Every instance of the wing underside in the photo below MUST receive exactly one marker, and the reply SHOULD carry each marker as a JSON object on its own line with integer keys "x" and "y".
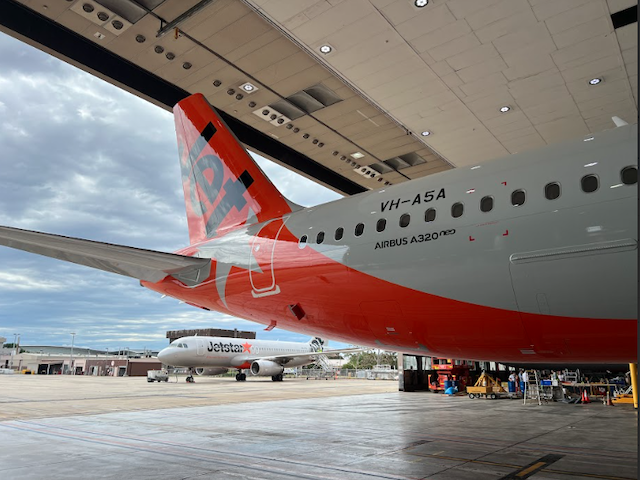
{"x": 147, "y": 265}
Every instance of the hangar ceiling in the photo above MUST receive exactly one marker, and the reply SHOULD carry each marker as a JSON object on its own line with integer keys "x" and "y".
{"x": 350, "y": 86}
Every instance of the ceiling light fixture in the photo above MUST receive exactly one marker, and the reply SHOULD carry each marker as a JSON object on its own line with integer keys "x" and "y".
{"x": 426, "y": 133}
{"x": 357, "y": 155}
{"x": 505, "y": 109}
{"x": 248, "y": 87}
{"x": 326, "y": 48}
{"x": 421, "y": 3}
{"x": 595, "y": 81}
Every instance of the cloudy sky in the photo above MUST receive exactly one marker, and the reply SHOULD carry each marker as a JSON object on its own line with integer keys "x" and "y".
{"x": 82, "y": 158}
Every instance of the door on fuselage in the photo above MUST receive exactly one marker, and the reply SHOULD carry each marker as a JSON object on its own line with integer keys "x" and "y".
{"x": 200, "y": 346}
{"x": 261, "y": 273}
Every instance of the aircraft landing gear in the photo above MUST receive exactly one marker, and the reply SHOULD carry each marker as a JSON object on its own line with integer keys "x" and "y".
{"x": 189, "y": 378}
{"x": 241, "y": 377}
{"x": 277, "y": 378}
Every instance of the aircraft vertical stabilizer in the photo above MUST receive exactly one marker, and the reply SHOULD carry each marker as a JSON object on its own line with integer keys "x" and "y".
{"x": 224, "y": 188}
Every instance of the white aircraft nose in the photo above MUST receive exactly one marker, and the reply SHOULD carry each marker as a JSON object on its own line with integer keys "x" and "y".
{"x": 164, "y": 355}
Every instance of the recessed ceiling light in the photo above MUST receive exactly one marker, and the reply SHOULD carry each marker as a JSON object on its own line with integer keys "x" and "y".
{"x": 426, "y": 133}
{"x": 357, "y": 155}
{"x": 248, "y": 87}
{"x": 326, "y": 48}
{"x": 476, "y": 167}
{"x": 421, "y": 3}
{"x": 595, "y": 81}
{"x": 592, "y": 164}
{"x": 505, "y": 108}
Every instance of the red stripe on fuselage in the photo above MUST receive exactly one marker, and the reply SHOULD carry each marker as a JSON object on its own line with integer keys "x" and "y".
{"x": 350, "y": 306}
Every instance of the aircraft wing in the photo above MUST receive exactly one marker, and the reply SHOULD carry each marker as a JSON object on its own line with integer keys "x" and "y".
{"x": 286, "y": 358}
{"x": 133, "y": 262}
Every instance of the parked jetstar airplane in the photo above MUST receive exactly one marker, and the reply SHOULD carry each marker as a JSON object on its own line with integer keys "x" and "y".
{"x": 267, "y": 358}
{"x": 528, "y": 259}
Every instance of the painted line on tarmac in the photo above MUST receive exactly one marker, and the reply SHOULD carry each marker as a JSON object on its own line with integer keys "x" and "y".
{"x": 533, "y": 467}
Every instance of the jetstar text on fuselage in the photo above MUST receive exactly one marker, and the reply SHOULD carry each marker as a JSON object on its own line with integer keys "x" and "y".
{"x": 220, "y": 347}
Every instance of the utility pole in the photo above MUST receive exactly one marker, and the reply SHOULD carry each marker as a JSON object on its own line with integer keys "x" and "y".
{"x": 73, "y": 337}
{"x": 15, "y": 351}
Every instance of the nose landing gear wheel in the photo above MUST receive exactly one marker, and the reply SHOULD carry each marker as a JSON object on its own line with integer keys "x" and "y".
{"x": 189, "y": 379}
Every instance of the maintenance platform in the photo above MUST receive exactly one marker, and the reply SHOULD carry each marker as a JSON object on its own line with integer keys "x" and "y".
{"x": 67, "y": 427}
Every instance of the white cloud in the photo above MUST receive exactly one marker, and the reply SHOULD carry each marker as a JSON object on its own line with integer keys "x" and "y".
{"x": 26, "y": 280}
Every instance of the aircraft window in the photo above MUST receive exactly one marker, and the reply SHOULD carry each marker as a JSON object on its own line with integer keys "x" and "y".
{"x": 320, "y": 237}
{"x": 405, "y": 219}
{"x": 589, "y": 183}
{"x": 457, "y": 209}
{"x": 339, "y": 233}
{"x": 552, "y": 191}
{"x": 486, "y": 204}
{"x": 381, "y": 225}
{"x": 629, "y": 175}
{"x": 518, "y": 198}
{"x": 430, "y": 215}
{"x": 359, "y": 229}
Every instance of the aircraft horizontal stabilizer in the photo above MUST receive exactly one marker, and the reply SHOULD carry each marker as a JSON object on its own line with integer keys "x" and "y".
{"x": 133, "y": 262}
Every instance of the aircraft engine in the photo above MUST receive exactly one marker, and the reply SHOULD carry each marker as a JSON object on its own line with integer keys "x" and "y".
{"x": 211, "y": 371}
{"x": 266, "y": 368}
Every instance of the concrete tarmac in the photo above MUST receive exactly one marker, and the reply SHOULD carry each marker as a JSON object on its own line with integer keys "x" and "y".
{"x": 60, "y": 427}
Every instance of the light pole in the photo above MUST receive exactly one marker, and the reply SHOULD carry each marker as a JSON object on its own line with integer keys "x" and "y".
{"x": 73, "y": 370}
{"x": 15, "y": 350}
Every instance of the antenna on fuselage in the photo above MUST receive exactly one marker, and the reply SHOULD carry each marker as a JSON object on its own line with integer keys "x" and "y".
{"x": 618, "y": 121}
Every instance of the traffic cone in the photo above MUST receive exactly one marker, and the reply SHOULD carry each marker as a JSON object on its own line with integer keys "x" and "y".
{"x": 585, "y": 396}
{"x": 609, "y": 402}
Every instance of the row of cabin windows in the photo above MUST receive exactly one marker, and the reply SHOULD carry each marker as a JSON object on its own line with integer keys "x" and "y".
{"x": 589, "y": 184}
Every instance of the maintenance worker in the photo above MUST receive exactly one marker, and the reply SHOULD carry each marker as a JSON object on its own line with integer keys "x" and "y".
{"x": 512, "y": 382}
{"x": 521, "y": 380}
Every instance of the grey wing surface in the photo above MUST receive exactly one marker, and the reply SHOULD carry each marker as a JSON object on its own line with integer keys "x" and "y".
{"x": 286, "y": 358}
{"x": 147, "y": 265}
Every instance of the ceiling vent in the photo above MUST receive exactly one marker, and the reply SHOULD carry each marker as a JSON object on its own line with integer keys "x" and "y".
{"x": 287, "y": 109}
{"x": 404, "y": 161}
{"x": 367, "y": 172}
{"x": 381, "y": 167}
{"x": 129, "y": 10}
{"x": 314, "y": 98}
{"x": 272, "y": 116}
{"x": 101, "y": 15}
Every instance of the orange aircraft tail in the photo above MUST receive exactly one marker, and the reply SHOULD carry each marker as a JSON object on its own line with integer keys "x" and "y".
{"x": 224, "y": 188}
